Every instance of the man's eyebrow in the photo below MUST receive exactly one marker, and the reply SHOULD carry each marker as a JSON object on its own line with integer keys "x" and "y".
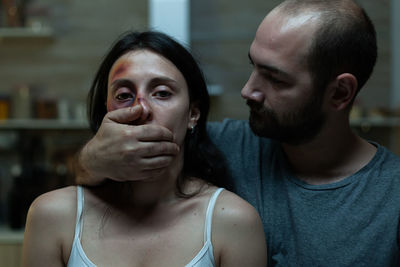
{"x": 270, "y": 69}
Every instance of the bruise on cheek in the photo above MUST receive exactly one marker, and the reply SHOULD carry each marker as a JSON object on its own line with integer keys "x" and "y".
{"x": 113, "y": 104}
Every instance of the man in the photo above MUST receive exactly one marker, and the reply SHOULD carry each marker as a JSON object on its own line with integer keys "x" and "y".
{"x": 326, "y": 196}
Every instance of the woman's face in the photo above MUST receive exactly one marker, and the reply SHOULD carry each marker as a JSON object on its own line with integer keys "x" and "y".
{"x": 142, "y": 77}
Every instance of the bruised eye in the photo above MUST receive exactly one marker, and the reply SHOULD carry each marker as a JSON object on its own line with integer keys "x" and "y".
{"x": 124, "y": 96}
{"x": 123, "y": 90}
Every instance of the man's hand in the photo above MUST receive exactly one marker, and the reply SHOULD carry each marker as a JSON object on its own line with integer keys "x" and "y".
{"x": 123, "y": 152}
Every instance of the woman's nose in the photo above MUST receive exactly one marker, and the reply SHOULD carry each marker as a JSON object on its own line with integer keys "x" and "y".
{"x": 146, "y": 107}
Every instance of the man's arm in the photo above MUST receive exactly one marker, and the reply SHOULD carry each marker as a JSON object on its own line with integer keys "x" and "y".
{"x": 121, "y": 151}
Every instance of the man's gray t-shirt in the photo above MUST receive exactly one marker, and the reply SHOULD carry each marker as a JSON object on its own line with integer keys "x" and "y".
{"x": 353, "y": 222}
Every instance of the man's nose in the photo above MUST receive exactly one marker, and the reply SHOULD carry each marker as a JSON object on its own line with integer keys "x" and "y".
{"x": 252, "y": 90}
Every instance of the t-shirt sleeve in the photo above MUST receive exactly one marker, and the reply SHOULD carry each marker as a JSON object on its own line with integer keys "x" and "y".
{"x": 226, "y": 134}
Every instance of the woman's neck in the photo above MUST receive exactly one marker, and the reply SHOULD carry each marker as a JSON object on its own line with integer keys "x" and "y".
{"x": 151, "y": 192}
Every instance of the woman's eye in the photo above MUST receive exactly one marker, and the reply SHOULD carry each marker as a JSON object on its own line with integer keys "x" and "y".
{"x": 162, "y": 94}
{"x": 124, "y": 96}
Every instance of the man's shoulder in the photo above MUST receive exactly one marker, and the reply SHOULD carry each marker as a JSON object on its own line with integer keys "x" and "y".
{"x": 228, "y": 125}
{"x": 236, "y": 140}
{"x": 231, "y": 130}
{"x": 231, "y": 136}
{"x": 385, "y": 166}
{"x": 388, "y": 158}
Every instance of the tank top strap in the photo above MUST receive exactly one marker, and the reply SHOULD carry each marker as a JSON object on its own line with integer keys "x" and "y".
{"x": 209, "y": 214}
{"x": 79, "y": 211}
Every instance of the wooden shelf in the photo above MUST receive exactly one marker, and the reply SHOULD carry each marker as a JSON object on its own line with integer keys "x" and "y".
{"x": 39, "y": 33}
{"x": 43, "y": 124}
{"x": 9, "y": 236}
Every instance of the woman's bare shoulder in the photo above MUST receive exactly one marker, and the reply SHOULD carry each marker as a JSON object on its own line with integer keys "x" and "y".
{"x": 56, "y": 205}
{"x": 232, "y": 208}
{"x": 50, "y": 227}
{"x": 237, "y": 232}
{"x": 228, "y": 207}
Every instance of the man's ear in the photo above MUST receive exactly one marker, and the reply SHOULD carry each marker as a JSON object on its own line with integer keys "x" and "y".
{"x": 194, "y": 115}
{"x": 342, "y": 91}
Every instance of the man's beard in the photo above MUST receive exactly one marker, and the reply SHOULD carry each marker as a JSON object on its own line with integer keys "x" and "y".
{"x": 295, "y": 127}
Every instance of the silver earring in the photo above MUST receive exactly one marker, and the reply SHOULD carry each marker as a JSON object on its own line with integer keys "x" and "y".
{"x": 193, "y": 129}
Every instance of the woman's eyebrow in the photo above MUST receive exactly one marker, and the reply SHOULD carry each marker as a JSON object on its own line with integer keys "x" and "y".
{"x": 122, "y": 81}
{"x": 155, "y": 80}
{"x": 163, "y": 79}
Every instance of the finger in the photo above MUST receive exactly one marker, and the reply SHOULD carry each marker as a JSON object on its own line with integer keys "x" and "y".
{"x": 157, "y": 163}
{"x": 149, "y": 150}
{"x": 148, "y": 133}
{"x": 157, "y": 149}
{"x": 124, "y": 115}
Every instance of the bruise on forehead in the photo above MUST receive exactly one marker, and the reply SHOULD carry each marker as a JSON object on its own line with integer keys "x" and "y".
{"x": 119, "y": 69}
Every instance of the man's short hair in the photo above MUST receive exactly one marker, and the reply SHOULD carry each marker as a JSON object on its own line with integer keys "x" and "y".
{"x": 344, "y": 42}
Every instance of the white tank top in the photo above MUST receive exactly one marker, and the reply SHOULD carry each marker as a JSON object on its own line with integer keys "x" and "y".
{"x": 205, "y": 257}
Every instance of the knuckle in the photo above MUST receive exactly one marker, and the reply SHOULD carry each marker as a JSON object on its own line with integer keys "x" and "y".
{"x": 144, "y": 130}
{"x": 127, "y": 132}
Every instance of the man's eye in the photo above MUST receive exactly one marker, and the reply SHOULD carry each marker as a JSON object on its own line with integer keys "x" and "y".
{"x": 124, "y": 96}
{"x": 276, "y": 81}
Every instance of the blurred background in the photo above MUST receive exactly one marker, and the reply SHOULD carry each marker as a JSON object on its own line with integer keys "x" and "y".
{"x": 50, "y": 50}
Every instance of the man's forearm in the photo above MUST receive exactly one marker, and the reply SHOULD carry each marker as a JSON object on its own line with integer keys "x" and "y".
{"x": 82, "y": 174}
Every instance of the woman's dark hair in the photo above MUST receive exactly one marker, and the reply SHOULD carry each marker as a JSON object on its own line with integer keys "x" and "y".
{"x": 201, "y": 157}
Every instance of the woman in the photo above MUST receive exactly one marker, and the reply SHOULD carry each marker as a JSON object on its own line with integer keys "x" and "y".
{"x": 177, "y": 218}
